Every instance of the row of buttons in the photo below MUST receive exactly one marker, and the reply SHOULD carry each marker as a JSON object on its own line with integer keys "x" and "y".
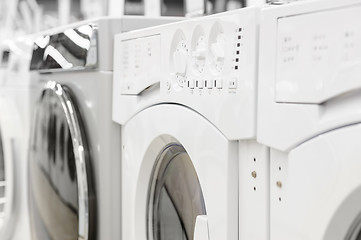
{"x": 217, "y": 83}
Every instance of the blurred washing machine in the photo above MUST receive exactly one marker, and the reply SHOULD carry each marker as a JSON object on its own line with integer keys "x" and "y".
{"x": 309, "y": 115}
{"x": 75, "y": 146}
{"x": 14, "y": 126}
{"x": 7, "y": 132}
{"x": 6, "y": 175}
{"x": 185, "y": 96}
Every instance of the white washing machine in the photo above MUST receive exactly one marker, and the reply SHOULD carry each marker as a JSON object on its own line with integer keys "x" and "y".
{"x": 15, "y": 132}
{"x": 75, "y": 146}
{"x": 309, "y": 115}
{"x": 6, "y": 176}
{"x": 6, "y": 154}
{"x": 185, "y": 96}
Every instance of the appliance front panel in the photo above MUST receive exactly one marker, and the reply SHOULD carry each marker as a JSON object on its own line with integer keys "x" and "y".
{"x": 309, "y": 71}
{"x": 316, "y": 188}
{"x": 172, "y": 149}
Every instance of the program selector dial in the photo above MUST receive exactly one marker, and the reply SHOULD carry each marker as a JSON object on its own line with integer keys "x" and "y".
{"x": 217, "y": 48}
{"x": 199, "y": 50}
{"x": 180, "y": 56}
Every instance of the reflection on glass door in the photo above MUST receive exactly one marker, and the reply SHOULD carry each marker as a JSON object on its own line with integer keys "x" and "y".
{"x": 58, "y": 169}
{"x": 175, "y": 196}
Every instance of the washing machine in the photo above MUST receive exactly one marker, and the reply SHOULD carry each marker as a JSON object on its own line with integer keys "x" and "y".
{"x": 14, "y": 125}
{"x": 309, "y": 116}
{"x": 184, "y": 95}
{"x": 6, "y": 157}
{"x": 6, "y": 177}
{"x": 19, "y": 91}
{"x": 74, "y": 147}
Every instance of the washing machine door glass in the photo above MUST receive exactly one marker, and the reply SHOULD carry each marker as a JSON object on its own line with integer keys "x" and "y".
{"x": 355, "y": 230}
{"x": 175, "y": 196}
{"x": 60, "y": 190}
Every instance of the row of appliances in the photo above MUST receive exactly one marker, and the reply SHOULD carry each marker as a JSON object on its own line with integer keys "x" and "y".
{"x": 240, "y": 125}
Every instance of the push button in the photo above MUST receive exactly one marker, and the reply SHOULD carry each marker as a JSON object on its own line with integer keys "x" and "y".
{"x": 232, "y": 84}
{"x": 208, "y": 84}
{"x": 190, "y": 84}
{"x": 218, "y": 83}
{"x": 181, "y": 82}
{"x": 199, "y": 84}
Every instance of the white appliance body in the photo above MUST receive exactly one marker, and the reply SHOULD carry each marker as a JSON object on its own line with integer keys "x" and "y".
{"x": 8, "y": 214}
{"x": 7, "y": 134}
{"x": 188, "y": 89}
{"x": 15, "y": 120}
{"x": 75, "y": 151}
{"x": 308, "y": 113}
{"x": 6, "y": 162}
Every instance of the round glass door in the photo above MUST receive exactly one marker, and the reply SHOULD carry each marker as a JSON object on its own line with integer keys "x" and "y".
{"x": 61, "y": 194}
{"x": 355, "y": 230}
{"x": 175, "y": 196}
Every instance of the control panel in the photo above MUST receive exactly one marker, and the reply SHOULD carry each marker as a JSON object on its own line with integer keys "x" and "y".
{"x": 207, "y": 61}
{"x": 213, "y": 59}
{"x": 208, "y": 64}
{"x": 139, "y": 66}
{"x": 319, "y": 55}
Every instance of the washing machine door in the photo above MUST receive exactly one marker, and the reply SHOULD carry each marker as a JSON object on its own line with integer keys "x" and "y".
{"x": 320, "y": 194}
{"x": 179, "y": 177}
{"x": 61, "y": 191}
{"x": 175, "y": 195}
